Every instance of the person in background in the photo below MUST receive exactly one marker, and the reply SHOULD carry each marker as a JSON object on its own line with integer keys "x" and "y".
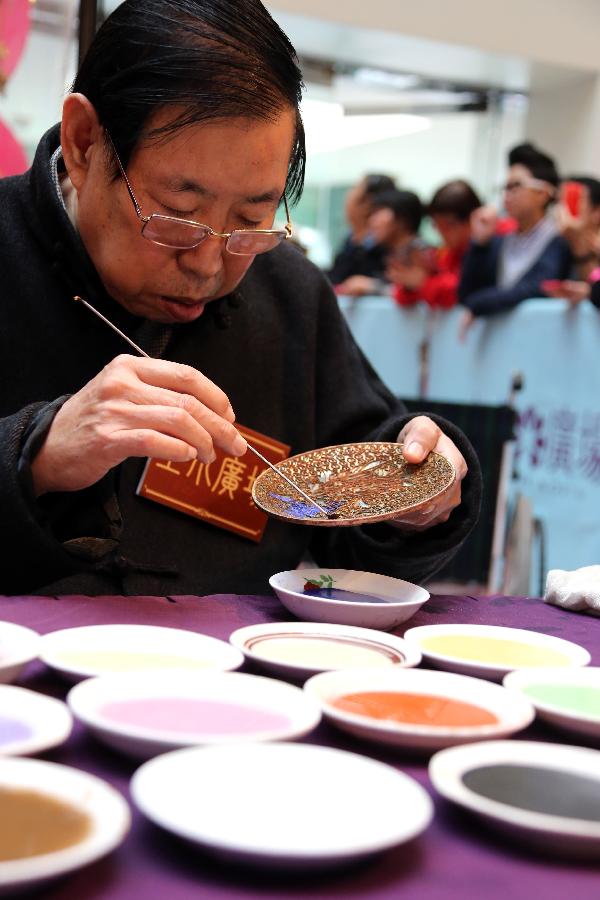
{"x": 394, "y": 224}
{"x": 578, "y": 219}
{"x": 500, "y": 271}
{"x": 435, "y": 280}
{"x": 360, "y": 253}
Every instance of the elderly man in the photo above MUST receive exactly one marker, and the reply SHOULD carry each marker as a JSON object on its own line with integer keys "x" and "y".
{"x": 155, "y": 200}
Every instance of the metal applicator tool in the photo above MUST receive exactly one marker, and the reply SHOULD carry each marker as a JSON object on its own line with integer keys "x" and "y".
{"x": 250, "y": 447}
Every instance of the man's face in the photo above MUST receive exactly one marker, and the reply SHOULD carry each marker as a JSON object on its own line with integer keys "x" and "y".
{"x": 523, "y": 197}
{"x": 227, "y": 174}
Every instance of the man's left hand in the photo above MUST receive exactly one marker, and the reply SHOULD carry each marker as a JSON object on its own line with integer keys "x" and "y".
{"x": 420, "y": 436}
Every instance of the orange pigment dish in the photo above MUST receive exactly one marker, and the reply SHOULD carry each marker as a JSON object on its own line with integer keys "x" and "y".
{"x": 415, "y": 709}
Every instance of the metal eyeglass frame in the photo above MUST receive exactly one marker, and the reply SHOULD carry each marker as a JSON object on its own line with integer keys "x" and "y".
{"x": 286, "y": 231}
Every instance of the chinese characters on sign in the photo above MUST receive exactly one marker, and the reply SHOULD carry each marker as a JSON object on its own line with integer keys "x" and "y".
{"x": 562, "y": 440}
{"x": 219, "y": 492}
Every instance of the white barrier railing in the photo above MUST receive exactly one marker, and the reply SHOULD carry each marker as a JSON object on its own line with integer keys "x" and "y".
{"x": 556, "y": 349}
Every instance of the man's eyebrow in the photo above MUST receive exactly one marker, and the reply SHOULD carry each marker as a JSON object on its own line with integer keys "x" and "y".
{"x": 185, "y": 185}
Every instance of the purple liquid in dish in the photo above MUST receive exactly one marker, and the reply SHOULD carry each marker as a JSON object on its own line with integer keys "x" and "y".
{"x": 13, "y": 730}
{"x": 347, "y": 596}
{"x": 188, "y": 716}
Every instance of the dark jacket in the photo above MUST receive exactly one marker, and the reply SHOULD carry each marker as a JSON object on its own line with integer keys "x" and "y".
{"x": 478, "y": 289}
{"x": 365, "y": 258}
{"x": 278, "y": 347}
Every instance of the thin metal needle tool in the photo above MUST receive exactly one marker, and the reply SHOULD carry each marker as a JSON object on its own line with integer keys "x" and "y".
{"x": 250, "y": 447}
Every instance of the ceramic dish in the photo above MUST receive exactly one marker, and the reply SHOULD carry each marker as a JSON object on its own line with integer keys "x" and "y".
{"x": 299, "y": 649}
{"x": 145, "y": 714}
{"x": 417, "y": 708}
{"x": 292, "y": 805}
{"x": 354, "y": 483}
{"x": 348, "y": 597}
{"x": 55, "y": 806}
{"x": 31, "y": 722}
{"x": 567, "y": 698}
{"x": 547, "y": 796}
{"x": 104, "y": 649}
{"x": 490, "y": 651}
{"x": 18, "y": 646}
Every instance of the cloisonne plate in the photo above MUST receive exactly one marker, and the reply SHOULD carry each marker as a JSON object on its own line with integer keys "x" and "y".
{"x": 355, "y": 483}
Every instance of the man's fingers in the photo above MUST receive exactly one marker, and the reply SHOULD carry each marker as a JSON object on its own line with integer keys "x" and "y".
{"x": 419, "y": 437}
{"x": 179, "y": 378}
{"x": 202, "y": 432}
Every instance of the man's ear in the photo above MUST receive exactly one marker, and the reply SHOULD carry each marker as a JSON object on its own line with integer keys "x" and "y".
{"x": 80, "y": 135}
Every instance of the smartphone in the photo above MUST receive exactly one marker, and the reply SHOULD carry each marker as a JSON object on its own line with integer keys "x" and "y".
{"x": 570, "y": 196}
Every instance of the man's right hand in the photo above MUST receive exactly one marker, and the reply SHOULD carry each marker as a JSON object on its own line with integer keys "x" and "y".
{"x": 484, "y": 221}
{"x": 134, "y": 407}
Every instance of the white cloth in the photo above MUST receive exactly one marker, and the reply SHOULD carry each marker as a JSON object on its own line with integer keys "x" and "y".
{"x": 578, "y": 590}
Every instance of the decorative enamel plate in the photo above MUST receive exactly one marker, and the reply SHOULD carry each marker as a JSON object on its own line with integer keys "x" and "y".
{"x": 354, "y": 483}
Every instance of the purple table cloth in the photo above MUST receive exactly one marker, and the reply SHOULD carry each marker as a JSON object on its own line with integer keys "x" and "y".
{"x": 455, "y": 859}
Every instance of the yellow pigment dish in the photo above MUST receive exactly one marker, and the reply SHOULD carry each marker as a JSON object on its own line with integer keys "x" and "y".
{"x": 495, "y": 651}
{"x": 491, "y": 651}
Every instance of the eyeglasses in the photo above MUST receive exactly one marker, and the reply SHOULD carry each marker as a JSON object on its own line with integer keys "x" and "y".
{"x": 535, "y": 184}
{"x": 183, "y": 234}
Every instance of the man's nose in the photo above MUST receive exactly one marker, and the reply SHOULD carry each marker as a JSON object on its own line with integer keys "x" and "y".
{"x": 205, "y": 260}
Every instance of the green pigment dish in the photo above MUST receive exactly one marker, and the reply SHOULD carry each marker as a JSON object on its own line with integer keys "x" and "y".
{"x": 574, "y": 698}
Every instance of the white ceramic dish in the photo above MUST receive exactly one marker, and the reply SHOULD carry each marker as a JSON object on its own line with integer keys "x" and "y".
{"x": 491, "y": 651}
{"x": 290, "y": 805}
{"x": 92, "y": 650}
{"x": 106, "y": 808}
{"x": 31, "y": 722}
{"x": 399, "y": 600}
{"x": 512, "y": 713}
{"x": 531, "y": 777}
{"x": 567, "y": 698}
{"x": 18, "y": 646}
{"x": 297, "y": 650}
{"x": 267, "y": 710}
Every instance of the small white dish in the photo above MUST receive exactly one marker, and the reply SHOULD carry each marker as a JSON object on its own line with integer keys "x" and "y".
{"x": 566, "y": 698}
{"x": 545, "y": 795}
{"x": 107, "y": 811}
{"x": 391, "y": 600}
{"x": 491, "y": 651}
{"x": 18, "y": 646}
{"x": 510, "y": 713}
{"x": 31, "y": 722}
{"x": 282, "y": 805}
{"x": 297, "y": 650}
{"x": 143, "y": 714}
{"x": 92, "y": 650}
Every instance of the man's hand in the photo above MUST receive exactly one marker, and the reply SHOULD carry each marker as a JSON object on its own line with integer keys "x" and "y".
{"x": 408, "y": 275}
{"x": 134, "y": 407}
{"x": 573, "y": 291}
{"x": 358, "y": 286}
{"x": 484, "y": 222}
{"x": 420, "y": 436}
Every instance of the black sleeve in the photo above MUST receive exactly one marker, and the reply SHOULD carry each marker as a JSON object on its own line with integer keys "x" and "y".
{"x": 595, "y": 293}
{"x": 554, "y": 263}
{"x": 354, "y": 405}
{"x": 42, "y": 540}
{"x": 479, "y": 268}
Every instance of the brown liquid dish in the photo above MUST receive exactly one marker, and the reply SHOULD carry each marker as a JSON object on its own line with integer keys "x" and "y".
{"x": 32, "y": 824}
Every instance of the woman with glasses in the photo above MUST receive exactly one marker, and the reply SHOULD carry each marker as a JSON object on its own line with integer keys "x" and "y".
{"x": 163, "y": 200}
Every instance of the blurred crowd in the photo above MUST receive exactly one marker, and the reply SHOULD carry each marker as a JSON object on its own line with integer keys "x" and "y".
{"x": 544, "y": 242}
